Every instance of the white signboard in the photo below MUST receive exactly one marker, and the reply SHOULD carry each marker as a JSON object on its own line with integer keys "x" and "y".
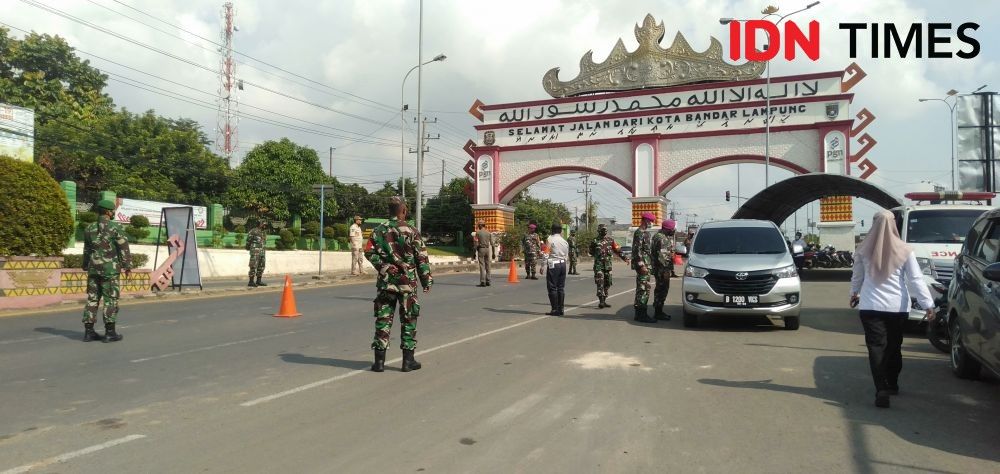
{"x": 17, "y": 132}
{"x": 152, "y": 210}
{"x": 801, "y": 87}
{"x": 834, "y": 152}
{"x": 717, "y": 120}
{"x": 484, "y": 180}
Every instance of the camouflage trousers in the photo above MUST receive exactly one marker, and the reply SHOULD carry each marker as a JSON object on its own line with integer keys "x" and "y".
{"x": 602, "y": 278}
{"x": 530, "y": 262}
{"x": 641, "y": 291}
{"x": 572, "y": 264}
{"x": 101, "y": 288}
{"x": 662, "y": 287}
{"x": 385, "y": 307}
{"x": 257, "y": 261}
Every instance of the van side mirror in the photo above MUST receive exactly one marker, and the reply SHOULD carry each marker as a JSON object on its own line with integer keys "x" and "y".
{"x": 992, "y": 272}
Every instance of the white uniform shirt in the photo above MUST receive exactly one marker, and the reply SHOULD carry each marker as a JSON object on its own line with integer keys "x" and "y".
{"x": 892, "y": 296}
{"x": 356, "y": 236}
{"x": 558, "y": 247}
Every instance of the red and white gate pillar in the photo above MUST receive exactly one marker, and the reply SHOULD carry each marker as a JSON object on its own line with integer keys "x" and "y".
{"x": 645, "y": 162}
{"x": 498, "y": 217}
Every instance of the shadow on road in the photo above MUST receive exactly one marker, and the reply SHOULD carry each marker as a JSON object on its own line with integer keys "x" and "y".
{"x": 61, "y": 332}
{"x": 293, "y": 358}
{"x": 827, "y": 275}
{"x": 934, "y": 410}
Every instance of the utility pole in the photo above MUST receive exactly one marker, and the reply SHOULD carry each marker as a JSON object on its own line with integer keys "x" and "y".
{"x": 331, "y": 161}
{"x": 420, "y": 128}
{"x": 421, "y": 149}
{"x": 442, "y": 174}
{"x": 587, "y": 183}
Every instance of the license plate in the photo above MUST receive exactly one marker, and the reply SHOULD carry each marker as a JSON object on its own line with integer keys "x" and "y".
{"x": 741, "y": 301}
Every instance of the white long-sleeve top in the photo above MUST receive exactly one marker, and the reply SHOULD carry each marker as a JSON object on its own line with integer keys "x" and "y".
{"x": 893, "y": 295}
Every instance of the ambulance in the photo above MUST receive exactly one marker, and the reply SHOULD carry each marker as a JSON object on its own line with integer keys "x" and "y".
{"x": 935, "y": 227}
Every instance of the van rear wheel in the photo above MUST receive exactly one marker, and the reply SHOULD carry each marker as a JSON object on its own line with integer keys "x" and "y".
{"x": 791, "y": 322}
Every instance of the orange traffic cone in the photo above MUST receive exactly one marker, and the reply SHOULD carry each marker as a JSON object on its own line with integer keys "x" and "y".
{"x": 287, "y": 308}
{"x": 512, "y": 276}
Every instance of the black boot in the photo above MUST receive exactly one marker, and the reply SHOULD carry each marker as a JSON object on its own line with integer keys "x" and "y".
{"x": 89, "y": 334}
{"x": 882, "y": 399}
{"x": 110, "y": 335}
{"x": 260, "y": 283}
{"x": 660, "y": 315}
{"x": 251, "y": 284}
{"x": 603, "y": 303}
{"x": 409, "y": 363}
{"x": 642, "y": 316}
{"x": 379, "y": 364}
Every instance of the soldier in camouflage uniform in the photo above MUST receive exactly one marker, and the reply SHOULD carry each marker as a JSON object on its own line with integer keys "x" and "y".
{"x": 574, "y": 252}
{"x": 642, "y": 266}
{"x": 603, "y": 248}
{"x": 662, "y": 253}
{"x": 105, "y": 257}
{"x": 399, "y": 256}
{"x": 532, "y": 246}
{"x": 256, "y": 241}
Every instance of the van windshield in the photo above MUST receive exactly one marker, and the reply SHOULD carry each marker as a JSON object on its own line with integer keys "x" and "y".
{"x": 945, "y": 226}
{"x": 739, "y": 240}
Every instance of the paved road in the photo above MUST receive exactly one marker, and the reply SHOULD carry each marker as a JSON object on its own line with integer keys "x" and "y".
{"x": 218, "y": 385}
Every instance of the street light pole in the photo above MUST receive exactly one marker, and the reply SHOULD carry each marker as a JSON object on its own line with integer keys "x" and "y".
{"x": 331, "y": 161}
{"x": 767, "y": 12}
{"x": 402, "y": 123}
{"x": 951, "y": 132}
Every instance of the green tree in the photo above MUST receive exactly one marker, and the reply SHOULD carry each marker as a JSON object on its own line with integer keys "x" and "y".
{"x": 543, "y": 212}
{"x": 451, "y": 209}
{"x": 34, "y": 214}
{"x": 275, "y": 181}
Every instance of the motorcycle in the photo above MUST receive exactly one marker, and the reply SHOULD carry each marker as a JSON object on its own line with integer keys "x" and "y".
{"x": 937, "y": 330}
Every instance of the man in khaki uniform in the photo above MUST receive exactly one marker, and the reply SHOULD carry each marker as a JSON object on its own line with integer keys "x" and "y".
{"x": 357, "y": 247}
{"x": 484, "y": 252}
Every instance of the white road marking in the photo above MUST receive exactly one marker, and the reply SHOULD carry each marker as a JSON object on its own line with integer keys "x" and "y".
{"x": 217, "y": 346}
{"x": 75, "y": 454}
{"x": 320, "y": 383}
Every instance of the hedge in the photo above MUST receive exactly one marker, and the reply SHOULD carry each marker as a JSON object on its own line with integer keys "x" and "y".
{"x": 35, "y": 217}
{"x": 76, "y": 261}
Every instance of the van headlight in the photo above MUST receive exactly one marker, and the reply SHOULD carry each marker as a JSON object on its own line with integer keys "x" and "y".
{"x": 787, "y": 272}
{"x": 926, "y": 266}
{"x": 695, "y": 272}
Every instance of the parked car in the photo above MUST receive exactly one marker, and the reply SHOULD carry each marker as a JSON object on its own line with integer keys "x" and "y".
{"x": 741, "y": 267}
{"x": 974, "y": 299}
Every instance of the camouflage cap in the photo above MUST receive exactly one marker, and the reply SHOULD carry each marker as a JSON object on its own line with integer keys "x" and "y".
{"x": 106, "y": 204}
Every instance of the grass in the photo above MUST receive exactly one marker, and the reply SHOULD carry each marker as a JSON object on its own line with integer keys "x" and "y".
{"x": 442, "y": 251}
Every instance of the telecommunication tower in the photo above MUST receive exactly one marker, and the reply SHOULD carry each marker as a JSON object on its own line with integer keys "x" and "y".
{"x": 227, "y": 136}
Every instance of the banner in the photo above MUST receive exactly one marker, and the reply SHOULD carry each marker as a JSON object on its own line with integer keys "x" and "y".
{"x": 978, "y": 141}
{"x": 17, "y": 132}
{"x": 152, "y": 210}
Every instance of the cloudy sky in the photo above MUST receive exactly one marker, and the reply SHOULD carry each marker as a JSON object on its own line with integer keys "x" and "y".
{"x": 342, "y": 63}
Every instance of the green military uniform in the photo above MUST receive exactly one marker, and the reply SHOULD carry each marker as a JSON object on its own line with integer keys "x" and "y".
{"x": 642, "y": 266}
{"x": 532, "y": 246}
{"x": 256, "y": 241}
{"x": 662, "y": 255}
{"x": 398, "y": 254}
{"x": 105, "y": 256}
{"x": 603, "y": 248}
{"x": 574, "y": 252}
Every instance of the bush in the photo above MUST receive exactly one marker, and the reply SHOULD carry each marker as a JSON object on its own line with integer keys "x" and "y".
{"x": 310, "y": 230}
{"x": 86, "y": 218}
{"x": 340, "y": 230}
{"x": 329, "y": 233}
{"x": 510, "y": 243}
{"x": 240, "y": 229}
{"x": 286, "y": 240}
{"x": 34, "y": 215}
{"x": 138, "y": 221}
{"x": 240, "y": 236}
{"x": 76, "y": 261}
{"x": 344, "y": 243}
{"x": 218, "y": 233}
{"x": 136, "y": 234}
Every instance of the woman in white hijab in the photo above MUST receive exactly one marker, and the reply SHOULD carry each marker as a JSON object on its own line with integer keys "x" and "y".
{"x": 885, "y": 273}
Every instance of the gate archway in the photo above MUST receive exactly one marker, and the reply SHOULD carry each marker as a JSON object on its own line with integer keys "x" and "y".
{"x": 782, "y": 199}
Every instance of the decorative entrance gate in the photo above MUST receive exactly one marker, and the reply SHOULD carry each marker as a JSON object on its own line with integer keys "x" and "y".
{"x": 651, "y": 118}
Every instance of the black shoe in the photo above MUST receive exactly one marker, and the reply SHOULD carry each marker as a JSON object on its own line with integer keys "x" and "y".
{"x": 488, "y": 284}
{"x": 260, "y": 283}
{"x": 602, "y": 304}
{"x": 409, "y": 363}
{"x": 251, "y": 284}
{"x": 882, "y": 399}
{"x": 89, "y": 334}
{"x": 642, "y": 316}
{"x": 379, "y": 364}
{"x": 893, "y": 389}
{"x": 110, "y": 335}
{"x": 553, "y": 312}
{"x": 660, "y": 315}
{"x": 481, "y": 285}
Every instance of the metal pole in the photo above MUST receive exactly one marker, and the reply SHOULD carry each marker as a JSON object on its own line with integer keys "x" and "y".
{"x": 767, "y": 121}
{"x": 322, "y": 209}
{"x": 331, "y": 161}
{"x": 951, "y": 133}
{"x": 442, "y": 174}
{"x": 420, "y": 127}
